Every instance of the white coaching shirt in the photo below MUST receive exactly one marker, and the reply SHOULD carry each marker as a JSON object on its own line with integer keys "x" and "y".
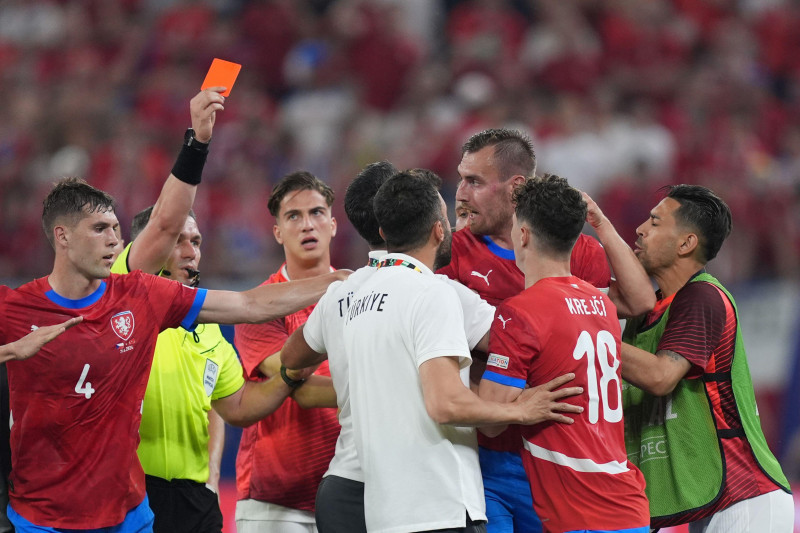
{"x": 323, "y": 334}
{"x": 419, "y": 475}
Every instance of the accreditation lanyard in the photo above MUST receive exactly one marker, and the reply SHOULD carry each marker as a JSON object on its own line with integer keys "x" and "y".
{"x": 398, "y": 262}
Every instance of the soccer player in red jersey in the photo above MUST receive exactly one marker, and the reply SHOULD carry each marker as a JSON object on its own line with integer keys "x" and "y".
{"x": 282, "y": 459}
{"x": 692, "y": 424}
{"x": 76, "y": 405}
{"x": 493, "y": 163}
{"x": 559, "y": 324}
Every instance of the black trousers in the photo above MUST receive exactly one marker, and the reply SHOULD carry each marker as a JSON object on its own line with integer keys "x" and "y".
{"x": 340, "y": 506}
{"x": 472, "y": 527}
{"x": 183, "y": 506}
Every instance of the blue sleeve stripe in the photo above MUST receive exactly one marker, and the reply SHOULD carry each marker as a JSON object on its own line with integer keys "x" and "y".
{"x": 190, "y": 318}
{"x": 505, "y": 380}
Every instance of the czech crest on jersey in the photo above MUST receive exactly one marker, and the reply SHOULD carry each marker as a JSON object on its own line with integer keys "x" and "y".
{"x": 122, "y": 324}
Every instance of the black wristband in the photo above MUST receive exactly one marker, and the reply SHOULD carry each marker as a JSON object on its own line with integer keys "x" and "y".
{"x": 293, "y": 383}
{"x": 189, "y": 166}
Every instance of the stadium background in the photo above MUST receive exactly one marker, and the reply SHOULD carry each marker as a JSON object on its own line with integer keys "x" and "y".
{"x": 620, "y": 97}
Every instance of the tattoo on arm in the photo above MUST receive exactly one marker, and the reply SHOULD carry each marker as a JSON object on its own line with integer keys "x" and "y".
{"x": 672, "y": 355}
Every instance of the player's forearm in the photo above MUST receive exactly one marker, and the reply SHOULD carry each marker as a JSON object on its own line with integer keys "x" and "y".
{"x": 7, "y": 352}
{"x": 317, "y": 391}
{"x": 646, "y": 371}
{"x": 277, "y": 300}
{"x": 151, "y": 249}
{"x": 448, "y": 401}
{"x": 256, "y": 400}
{"x": 216, "y": 444}
{"x": 264, "y": 303}
{"x": 296, "y": 352}
{"x": 465, "y": 408}
{"x": 631, "y": 291}
{"x": 173, "y": 206}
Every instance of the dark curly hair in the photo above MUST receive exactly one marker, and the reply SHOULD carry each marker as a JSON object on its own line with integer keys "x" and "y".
{"x": 553, "y": 210}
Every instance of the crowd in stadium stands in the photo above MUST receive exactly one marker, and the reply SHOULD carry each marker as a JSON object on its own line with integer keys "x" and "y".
{"x": 620, "y": 97}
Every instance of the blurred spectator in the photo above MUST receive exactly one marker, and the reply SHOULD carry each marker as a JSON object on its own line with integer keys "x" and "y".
{"x": 620, "y": 96}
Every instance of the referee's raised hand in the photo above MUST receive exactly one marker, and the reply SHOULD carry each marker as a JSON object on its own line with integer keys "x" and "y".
{"x": 203, "y": 108}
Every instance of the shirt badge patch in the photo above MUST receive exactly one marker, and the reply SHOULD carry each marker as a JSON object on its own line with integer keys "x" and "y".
{"x": 210, "y": 376}
{"x": 500, "y": 361}
{"x": 122, "y": 324}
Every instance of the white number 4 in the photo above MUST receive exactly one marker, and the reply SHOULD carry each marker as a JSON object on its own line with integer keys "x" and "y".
{"x": 606, "y": 350}
{"x": 83, "y": 386}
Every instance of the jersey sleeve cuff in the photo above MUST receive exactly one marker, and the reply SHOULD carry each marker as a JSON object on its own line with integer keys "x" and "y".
{"x": 189, "y": 320}
{"x": 502, "y": 379}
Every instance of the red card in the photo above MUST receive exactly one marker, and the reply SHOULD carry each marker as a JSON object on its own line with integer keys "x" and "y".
{"x": 221, "y": 74}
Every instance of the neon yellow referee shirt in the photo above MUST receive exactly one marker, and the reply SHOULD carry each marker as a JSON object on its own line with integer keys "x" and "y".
{"x": 186, "y": 376}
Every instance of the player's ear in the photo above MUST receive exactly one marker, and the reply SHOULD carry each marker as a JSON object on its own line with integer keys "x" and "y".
{"x": 524, "y": 236}
{"x": 380, "y": 232}
{"x": 688, "y": 244}
{"x": 60, "y": 235}
{"x": 517, "y": 180}
{"x": 438, "y": 231}
{"x": 277, "y": 232}
{"x": 333, "y": 227}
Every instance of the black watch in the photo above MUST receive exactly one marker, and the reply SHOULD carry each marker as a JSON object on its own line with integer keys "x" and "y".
{"x": 191, "y": 141}
{"x": 293, "y": 383}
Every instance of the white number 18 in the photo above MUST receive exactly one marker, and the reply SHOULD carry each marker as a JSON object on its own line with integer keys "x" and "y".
{"x": 606, "y": 355}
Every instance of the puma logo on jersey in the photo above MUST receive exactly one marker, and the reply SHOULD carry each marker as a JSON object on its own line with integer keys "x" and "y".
{"x": 484, "y": 278}
{"x": 503, "y": 320}
{"x": 34, "y": 328}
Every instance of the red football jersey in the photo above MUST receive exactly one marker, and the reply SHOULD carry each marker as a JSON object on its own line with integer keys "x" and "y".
{"x": 76, "y": 405}
{"x": 562, "y": 325}
{"x": 491, "y": 271}
{"x": 282, "y": 458}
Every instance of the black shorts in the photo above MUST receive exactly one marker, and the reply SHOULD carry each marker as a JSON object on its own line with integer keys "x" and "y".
{"x": 183, "y": 506}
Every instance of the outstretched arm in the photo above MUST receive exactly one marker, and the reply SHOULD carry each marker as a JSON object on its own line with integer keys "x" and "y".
{"x": 266, "y": 302}
{"x": 31, "y": 343}
{"x": 448, "y": 401}
{"x": 631, "y": 291}
{"x": 152, "y": 246}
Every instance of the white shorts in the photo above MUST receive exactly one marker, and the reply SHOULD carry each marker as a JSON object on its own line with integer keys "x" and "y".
{"x": 254, "y": 516}
{"x": 769, "y": 513}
